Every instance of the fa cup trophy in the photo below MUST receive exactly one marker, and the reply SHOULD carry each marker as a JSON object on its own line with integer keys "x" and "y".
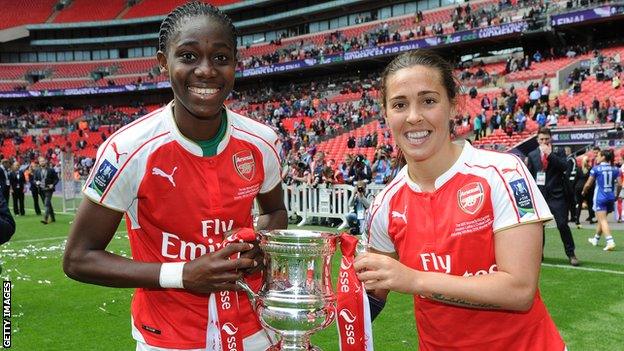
{"x": 296, "y": 299}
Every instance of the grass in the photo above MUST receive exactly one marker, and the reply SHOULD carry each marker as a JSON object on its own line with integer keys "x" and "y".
{"x": 52, "y": 312}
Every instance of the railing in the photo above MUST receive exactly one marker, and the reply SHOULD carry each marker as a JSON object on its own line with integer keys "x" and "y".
{"x": 321, "y": 201}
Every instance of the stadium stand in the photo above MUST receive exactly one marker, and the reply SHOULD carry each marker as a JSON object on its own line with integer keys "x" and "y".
{"x": 131, "y": 66}
{"x": 336, "y": 148}
{"x": 147, "y": 8}
{"x": 89, "y": 10}
{"x": 400, "y": 23}
{"x": 13, "y": 71}
{"x": 500, "y": 141}
{"x": 538, "y": 70}
{"x": 30, "y": 12}
{"x": 120, "y": 71}
{"x": 61, "y": 84}
{"x": 8, "y": 85}
{"x": 76, "y": 70}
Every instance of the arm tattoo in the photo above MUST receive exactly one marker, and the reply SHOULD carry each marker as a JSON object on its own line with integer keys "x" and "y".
{"x": 461, "y": 302}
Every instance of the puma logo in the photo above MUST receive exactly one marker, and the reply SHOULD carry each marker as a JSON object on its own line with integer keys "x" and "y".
{"x": 117, "y": 153}
{"x": 159, "y": 172}
{"x": 397, "y": 214}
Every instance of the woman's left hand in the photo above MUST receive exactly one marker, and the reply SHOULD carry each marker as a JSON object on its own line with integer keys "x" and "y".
{"x": 384, "y": 272}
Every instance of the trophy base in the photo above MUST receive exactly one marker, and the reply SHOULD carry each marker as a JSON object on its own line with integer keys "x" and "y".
{"x": 298, "y": 344}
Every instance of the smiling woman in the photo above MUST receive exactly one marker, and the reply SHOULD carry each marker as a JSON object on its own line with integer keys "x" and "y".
{"x": 199, "y": 54}
{"x": 186, "y": 177}
{"x": 419, "y": 94}
{"x": 458, "y": 228}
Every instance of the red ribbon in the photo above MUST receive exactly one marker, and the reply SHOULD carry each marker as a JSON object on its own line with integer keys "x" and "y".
{"x": 352, "y": 311}
{"x": 230, "y": 303}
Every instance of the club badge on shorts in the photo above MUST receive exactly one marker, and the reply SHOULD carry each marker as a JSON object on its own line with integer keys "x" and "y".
{"x": 245, "y": 164}
{"x": 470, "y": 197}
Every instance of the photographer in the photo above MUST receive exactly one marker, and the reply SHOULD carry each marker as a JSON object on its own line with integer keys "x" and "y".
{"x": 360, "y": 203}
{"x": 297, "y": 173}
{"x": 359, "y": 171}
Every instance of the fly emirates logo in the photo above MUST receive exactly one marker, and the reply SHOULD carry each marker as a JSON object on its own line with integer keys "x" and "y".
{"x": 176, "y": 248}
{"x": 436, "y": 263}
{"x": 432, "y": 262}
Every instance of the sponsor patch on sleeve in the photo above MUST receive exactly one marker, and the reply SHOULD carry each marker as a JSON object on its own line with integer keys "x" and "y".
{"x": 102, "y": 178}
{"x": 522, "y": 197}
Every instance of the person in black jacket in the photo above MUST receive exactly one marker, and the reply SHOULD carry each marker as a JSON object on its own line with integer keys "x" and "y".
{"x": 17, "y": 180}
{"x": 7, "y": 224}
{"x": 5, "y": 186}
{"x": 34, "y": 189}
{"x": 46, "y": 179}
{"x": 549, "y": 168}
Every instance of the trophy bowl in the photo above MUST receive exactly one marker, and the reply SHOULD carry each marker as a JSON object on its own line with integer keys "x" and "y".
{"x": 296, "y": 298}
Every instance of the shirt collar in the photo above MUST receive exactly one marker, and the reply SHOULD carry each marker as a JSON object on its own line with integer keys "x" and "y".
{"x": 188, "y": 144}
{"x": 467, "y": 152}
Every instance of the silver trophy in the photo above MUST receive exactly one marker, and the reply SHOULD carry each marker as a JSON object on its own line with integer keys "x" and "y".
{"x": 296, "y": 299}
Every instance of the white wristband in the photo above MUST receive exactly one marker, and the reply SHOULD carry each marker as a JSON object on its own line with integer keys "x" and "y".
{"x": 171, "y": 275}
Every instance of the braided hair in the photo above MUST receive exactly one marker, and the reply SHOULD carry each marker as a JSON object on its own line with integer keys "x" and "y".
{"x": 173, "y": 21}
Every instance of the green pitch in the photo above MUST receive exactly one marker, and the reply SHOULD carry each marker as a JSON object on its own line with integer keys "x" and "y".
{"x": 52, "y": 312}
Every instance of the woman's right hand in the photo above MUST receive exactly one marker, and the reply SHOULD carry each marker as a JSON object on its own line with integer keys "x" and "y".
{"x": 216, "y": 271}
{"x": 383, "y": 272}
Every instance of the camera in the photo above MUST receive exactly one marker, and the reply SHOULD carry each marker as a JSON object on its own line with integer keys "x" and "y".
{"x": 360, "y": 189}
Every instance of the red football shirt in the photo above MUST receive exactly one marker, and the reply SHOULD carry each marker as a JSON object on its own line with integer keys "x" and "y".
{"x": 178, "y": 204}
{"x": 451, "y": 230}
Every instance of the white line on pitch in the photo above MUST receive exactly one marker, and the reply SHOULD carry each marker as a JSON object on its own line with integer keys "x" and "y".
{"x": 51, "y": 238}
{"x": 37, "y": 240}
{"x": 583, "y": 268}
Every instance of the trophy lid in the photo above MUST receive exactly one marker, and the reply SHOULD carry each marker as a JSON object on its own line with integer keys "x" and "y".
{"x": 297, "y": 233}
{"x": 298, "y": 241}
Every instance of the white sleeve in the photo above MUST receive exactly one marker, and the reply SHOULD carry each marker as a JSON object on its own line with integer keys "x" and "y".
{"x": 110, "y": 183}
{"x": 516, "y": 198}
{"x": 271, "y": 163}
{"x": 377, "y": 226}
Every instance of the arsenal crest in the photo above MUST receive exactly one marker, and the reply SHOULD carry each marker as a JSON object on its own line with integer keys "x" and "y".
{"x": 470, "y": 197}
{"x": 245, "y": 164}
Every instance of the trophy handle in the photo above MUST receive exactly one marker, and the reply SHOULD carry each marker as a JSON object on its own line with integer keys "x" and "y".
{"x": 250, "y": 293}
{"x": 253, "y": 297}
